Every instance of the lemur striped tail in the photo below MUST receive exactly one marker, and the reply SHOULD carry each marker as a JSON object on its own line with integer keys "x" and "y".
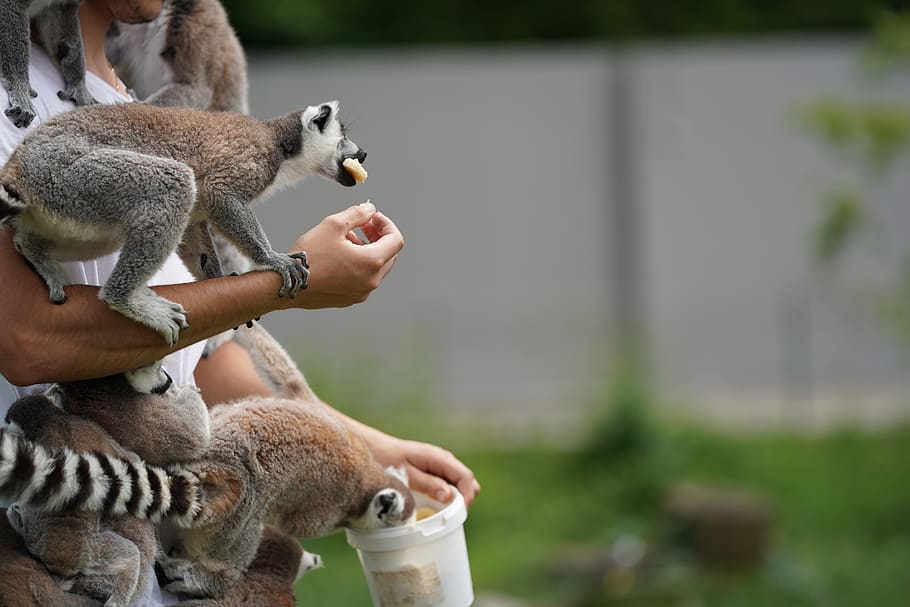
{"x": 55, "y": 480}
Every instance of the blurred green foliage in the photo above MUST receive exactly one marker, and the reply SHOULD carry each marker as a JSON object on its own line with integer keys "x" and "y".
{"x": 284, "y": 23}
{"x": 869, "y": 138}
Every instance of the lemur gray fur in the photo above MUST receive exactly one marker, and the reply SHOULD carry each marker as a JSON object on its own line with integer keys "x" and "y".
{"x": 24, "y": 581}
{"x": 188, "y": 57}
{"x": 148, "y": 179}
{"x": 57, "y": 24}
{"x": 269, "y": 580}
{"x": 107, "y": 556}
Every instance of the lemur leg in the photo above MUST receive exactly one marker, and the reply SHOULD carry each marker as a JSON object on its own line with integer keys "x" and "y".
{"x": 219, "y": 559}
{"x": 198, "y": 252}
{"x": 235, "y": 220}
{"x": 58, "y": 27}
{"x": 34, "y": 248}
{"x": 182, "y": 95}
{"x": 150, "y": 210}
{"x": 14, "y": 53}
{"x": 114, "y": 556}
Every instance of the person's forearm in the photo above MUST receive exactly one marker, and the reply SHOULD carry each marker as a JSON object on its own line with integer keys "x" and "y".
{"x": 84, "y": 338}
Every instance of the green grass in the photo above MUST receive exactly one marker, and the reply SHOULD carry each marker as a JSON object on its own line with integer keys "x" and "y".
{"x": 841, "y": 506}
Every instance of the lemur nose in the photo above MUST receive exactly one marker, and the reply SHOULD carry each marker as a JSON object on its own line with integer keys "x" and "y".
{"x": 361, "y": 155}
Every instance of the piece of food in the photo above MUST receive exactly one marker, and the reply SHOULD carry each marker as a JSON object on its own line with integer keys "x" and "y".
{"x": 424, "y": 511}
{"x": 355, "y": 169}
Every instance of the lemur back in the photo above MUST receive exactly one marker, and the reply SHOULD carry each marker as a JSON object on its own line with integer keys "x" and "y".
{"x": 284, "y": 462}
{"x": 57, "y": 23}
{"x": 149, "y": 180}
{"x": 188, "y": 57}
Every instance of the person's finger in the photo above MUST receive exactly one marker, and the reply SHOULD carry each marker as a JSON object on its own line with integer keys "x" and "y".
{"x": 354, "y": 238}
{"x": 354, "y": 216}
{"x": 444, "y": 465}
{"x": 385, "y": 238}
{"x": 429, "y": 484}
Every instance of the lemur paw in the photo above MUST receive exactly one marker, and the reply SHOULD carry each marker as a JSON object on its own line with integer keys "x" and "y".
{"x": 165, "y": 317}
{"x": 295, "y": 274}
{"x": 77, "y": 94}
{"x": 21, "y": 111}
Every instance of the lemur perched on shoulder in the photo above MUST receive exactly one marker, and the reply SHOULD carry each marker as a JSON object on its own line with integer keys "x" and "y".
{"x": 148, "y": 179}
{"x": 108, "y": 556}
{"x": 57, "y": 24}
{"x": 188, "y": 57}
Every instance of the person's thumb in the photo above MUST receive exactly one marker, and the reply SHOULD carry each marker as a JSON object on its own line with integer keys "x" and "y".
{"x": 356, "y": 215}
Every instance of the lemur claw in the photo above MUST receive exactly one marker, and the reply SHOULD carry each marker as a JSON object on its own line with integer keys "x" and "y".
{"x": 78, "y": 95}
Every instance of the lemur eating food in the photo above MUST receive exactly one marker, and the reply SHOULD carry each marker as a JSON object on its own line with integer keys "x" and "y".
{"x": 188, "y": 57}
{"x": 289, "y": 463}
{"x": 147, "y": 179}
{"x": 57, "y": 23}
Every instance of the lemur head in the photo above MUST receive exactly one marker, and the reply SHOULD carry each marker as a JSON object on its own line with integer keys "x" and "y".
{"x": 325, "y": 144}
{"x": 390, "y": 506}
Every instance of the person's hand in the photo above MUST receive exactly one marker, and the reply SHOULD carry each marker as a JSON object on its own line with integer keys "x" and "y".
{"x": 344, "y": 269}
{"x": 430, "y": 469}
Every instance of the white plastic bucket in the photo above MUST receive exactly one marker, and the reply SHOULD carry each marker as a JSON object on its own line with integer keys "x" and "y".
{"x": 419, "y": 565}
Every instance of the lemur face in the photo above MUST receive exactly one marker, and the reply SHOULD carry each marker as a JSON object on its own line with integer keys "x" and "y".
{"x": 149, "y": 379}
{"x": 394, "y": 505}
{"x": 326, "y": 143}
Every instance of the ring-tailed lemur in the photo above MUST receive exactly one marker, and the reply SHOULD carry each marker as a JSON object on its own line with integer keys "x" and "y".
{"x": 57, "y": 24}
{"x": 58, "y": 479}
{"x": 284, "y": 462}
{"x": 269, "y": 580}
{"x": 287, "y": 462}
{"x": 24, "y": 581}
{"x": 127, "y": 417}
{"x": 188, "y": 57}
{"x": 148, "y": 179}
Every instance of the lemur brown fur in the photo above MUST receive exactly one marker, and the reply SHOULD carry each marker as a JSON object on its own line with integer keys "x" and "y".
{"x": 24, "y": 581}
{"x": 188, "y": 57}
{"x": 109, "y": 556}
{"x": 285, "y": 462}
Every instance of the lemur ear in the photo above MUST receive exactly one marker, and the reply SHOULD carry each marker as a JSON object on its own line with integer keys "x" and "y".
{"x": 320, "y": 115}
{"x": 221, "y": 488}
{"x": 322, "y": 118}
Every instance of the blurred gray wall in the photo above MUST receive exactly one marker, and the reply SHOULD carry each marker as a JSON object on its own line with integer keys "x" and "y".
{"x": 549, "y": 194}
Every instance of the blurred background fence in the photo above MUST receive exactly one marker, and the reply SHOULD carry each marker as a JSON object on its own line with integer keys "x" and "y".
{"x": 554, "y": 197}
{"x": 624, "y": 219}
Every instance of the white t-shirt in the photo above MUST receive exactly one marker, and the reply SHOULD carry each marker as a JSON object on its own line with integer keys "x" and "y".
{"x": 47, "y": 80}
